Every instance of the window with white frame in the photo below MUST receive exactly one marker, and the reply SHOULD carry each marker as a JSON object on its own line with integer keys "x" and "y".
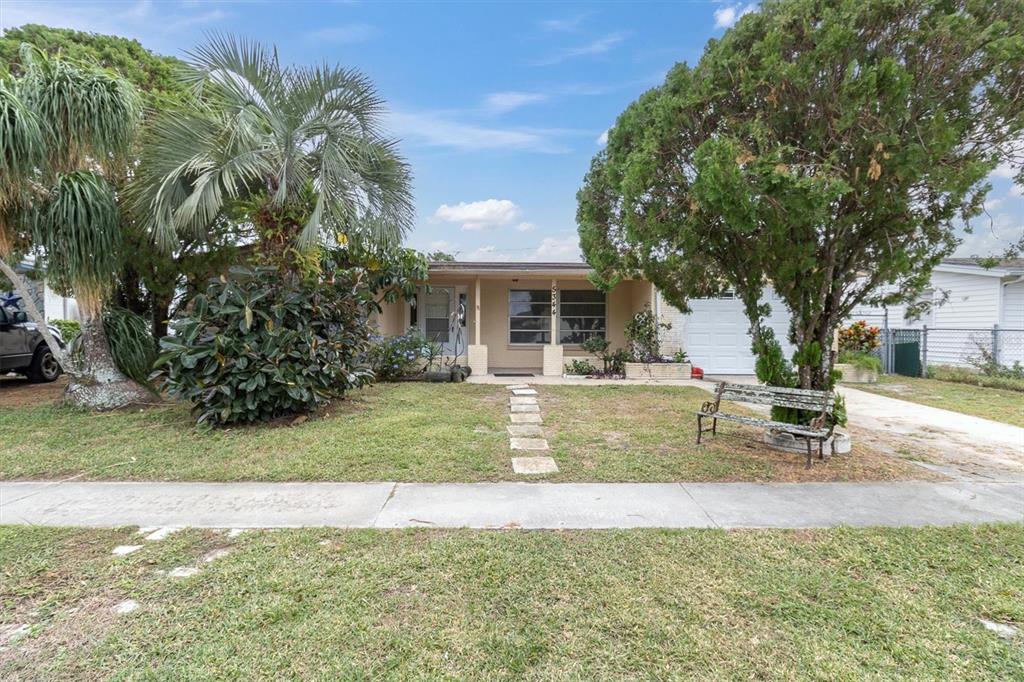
{"x": 581, "y": 315}
{"x": 529, "y": 316}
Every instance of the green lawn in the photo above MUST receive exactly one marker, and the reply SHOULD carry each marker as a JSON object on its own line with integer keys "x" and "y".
{"x": 991, "y": 403}
{"x": 414, "y": 432}
{"x": 420, "y": 604}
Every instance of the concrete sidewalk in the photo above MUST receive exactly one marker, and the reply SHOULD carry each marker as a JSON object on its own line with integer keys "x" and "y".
{"x": 509, "y": 505}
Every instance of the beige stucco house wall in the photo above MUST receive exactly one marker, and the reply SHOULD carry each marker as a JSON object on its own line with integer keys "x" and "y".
{"x": 485, "y": 288}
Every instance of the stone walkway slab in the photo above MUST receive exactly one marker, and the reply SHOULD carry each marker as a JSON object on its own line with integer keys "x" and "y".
{"x": 525, "y": 418}
{"x": 524, "y": 409}
{"x": 522, "y": 400}
{"x": 528, "y": 443}
{"x": 534, "y": 465}
{"x": 526, "y": 505}
{"x": 525, "y": 431}
{"x": 524, "y": 391}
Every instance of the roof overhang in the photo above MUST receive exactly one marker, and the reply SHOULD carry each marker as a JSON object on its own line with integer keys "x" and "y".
{"x": 996, "y": 271}
{"x": 520, "y": 270}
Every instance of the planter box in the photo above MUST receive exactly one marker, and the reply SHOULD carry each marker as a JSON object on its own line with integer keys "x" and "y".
{"x": 852, "y": 374}
{"x": 658, "y": 370}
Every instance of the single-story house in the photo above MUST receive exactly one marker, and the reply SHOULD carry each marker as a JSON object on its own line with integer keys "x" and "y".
{"x": 528, "y": 318}
{"x": 498, "y": 318}
{"x": 533, "y": 317}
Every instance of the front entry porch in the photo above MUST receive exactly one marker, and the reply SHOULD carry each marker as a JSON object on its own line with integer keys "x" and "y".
{"x": 516, "y": 318}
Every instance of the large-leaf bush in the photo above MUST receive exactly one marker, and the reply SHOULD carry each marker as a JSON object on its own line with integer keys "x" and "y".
{"x": 258, "y": 345}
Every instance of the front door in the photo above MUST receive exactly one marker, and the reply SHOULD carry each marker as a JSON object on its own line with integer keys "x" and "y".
{"x": 444, "y": 318}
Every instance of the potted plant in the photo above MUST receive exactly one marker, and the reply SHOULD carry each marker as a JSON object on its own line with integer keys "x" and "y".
{"x": 856, "y": 363}
{"x": 858, "y": 368}
{"x": 435, "y": 371}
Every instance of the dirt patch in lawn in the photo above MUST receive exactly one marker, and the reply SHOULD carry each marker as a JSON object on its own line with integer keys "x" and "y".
{"x": 648, "y": 433}
{"x": 17, "y": 391}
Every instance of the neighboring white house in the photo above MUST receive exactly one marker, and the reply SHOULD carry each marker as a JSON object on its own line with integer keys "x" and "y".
{"x": 978, "y": 301}
{"x": 52, "y": 305}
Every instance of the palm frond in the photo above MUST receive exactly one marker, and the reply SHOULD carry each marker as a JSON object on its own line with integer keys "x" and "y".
{"x": 80, "y": 232}
{"x": 257, "y": 129}
{"x": 86, "y": 112}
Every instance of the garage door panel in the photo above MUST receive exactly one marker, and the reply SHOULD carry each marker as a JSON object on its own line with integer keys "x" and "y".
{"x": 717, "y": 338}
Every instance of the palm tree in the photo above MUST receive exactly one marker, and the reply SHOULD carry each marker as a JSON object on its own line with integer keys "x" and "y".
{"x": 61, "y": 125}
{"x": 296, "y": 151}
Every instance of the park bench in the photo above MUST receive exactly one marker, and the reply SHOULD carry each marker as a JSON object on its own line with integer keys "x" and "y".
{"x": 820, "y": 402}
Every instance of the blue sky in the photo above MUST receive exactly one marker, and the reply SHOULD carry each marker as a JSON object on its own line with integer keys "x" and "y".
{"x": 499, "y": 106}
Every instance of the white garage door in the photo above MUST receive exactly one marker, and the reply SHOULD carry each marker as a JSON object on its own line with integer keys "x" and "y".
{"x": 716, "y": 338}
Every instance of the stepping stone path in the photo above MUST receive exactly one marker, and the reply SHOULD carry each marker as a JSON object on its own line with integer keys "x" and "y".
{"x": 525, "y": 433}
{"x": 127, "y": 606}
{"x": 122, "y": 550}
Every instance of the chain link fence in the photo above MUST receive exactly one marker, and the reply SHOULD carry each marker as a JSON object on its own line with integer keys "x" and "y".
{"x": 911, "y": 351}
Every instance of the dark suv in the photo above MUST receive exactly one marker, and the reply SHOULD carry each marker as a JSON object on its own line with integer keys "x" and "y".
{"x": 22, "y": 348}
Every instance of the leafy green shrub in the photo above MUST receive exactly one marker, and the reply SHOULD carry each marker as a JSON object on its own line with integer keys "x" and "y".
{"x": 580, "y": 367}
{"x": 395, "y": 357}
{"x": 963, "y": 375}
{"x": 986, "y": 363}
{"x": 69, "y": 329}
{"x": 859, "y": 337}
{"x": 131, "y": 342}
{"x": 680, "y": 356}
{"x": 613, "y": 362}
{"x": 642, "y": 336}
{"x": 256, "y": 346}
{"x": 861, "y": 360}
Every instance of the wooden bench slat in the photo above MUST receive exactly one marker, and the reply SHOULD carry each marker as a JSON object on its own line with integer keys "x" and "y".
{"x": 778, "y": 390}
{"x": 767, "y": 423}
{"x": 781, "y": 402}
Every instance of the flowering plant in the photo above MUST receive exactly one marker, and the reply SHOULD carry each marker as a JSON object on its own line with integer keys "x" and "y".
{"x": 395, "y": 357}
{"x": 859, "y": 337}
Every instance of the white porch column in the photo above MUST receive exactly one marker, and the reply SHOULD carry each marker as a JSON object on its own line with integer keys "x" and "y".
{"x": 476, "y": 312}
{"x": 476, "y": 353}
{"x": 554, "y": 365}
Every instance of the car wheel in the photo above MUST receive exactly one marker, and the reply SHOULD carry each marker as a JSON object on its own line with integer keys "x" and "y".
{"x": 44, "y": 367}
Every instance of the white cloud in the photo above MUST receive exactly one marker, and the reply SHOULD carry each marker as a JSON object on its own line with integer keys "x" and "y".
{"x": 1005, "y": 170}
{"x": 344, "y": 35}
{"x": 438, "y": 129}
{"x": 211, "y": 17}
{"x": 501, "y": 102}
{"x": 442, "y": 245}
{"x": 136, "y": 20}
{"x": 591, "y": 49}
{"x": 486, "y": 253}
{"x": 602, "y": 139}
{"x": 560, "y": 25}
{"x": 554, "y": 249}
{"x": 991, "y": 236}
{"x": 526, "y": 227}
{"x": 478, "y": 215}
{"x": 725, "y": 17}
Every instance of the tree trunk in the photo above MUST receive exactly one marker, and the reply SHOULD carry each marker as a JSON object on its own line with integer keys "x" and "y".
{"x": 159, "y": 314}
{"x": 97, "y": 383}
